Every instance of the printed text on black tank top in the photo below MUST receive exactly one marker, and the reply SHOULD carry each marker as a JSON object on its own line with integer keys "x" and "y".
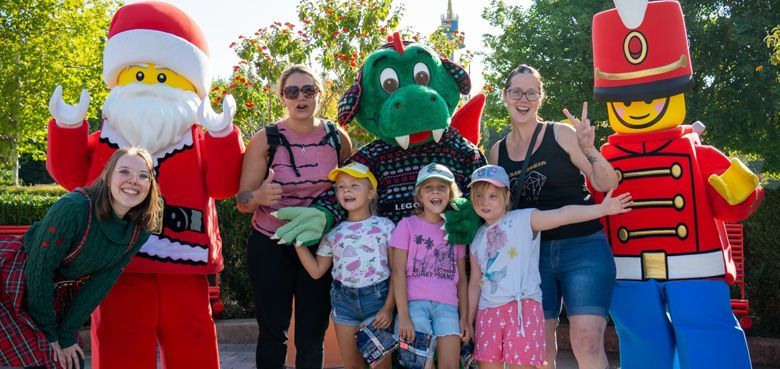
{"x": 534, "y": 181}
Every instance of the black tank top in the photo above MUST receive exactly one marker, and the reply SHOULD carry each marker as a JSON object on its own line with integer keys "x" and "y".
{"x": 551, "y": 181}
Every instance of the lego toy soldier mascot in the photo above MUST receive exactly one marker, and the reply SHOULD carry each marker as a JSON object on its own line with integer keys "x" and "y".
{"x": 671, "y": 301}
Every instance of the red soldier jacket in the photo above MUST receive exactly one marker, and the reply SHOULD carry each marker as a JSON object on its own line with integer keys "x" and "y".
{"x": 675, "y": 228}
{"x": 191, "y": 174}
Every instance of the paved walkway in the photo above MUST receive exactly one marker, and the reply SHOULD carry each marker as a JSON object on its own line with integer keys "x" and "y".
{"x": 238, "y": 356}
{"x": 241, "y": 356}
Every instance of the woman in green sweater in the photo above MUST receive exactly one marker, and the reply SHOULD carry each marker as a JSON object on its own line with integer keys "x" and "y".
{"x": 66, "y": 263}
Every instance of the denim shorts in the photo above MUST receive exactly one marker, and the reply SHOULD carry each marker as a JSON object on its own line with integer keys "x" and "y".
{"x": 579, "y": 270}
{"x": 357, "y": 306}
{"x": 432, "y": 317}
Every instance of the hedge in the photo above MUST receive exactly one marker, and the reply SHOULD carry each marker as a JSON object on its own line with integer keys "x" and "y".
{"x": 236, "y": 290}
{"x": 24, "y": 205}
{"x": 762, "y": 266}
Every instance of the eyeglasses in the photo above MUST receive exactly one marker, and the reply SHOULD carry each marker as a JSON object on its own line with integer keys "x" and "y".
{"x": 309, "y": 91}
{"x": 126, "y": 174}
{"x": 517, "y": 94}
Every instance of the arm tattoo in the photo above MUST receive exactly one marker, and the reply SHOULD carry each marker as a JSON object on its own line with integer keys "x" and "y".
{"x": 592, "y": 158}
{"x": 244, "y": 197}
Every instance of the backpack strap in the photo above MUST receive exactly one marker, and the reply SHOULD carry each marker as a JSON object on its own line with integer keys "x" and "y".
{"x": 332, "y": 137}
{"x": 275, "y": 139}
{"x": 134, "y": 239}
{"x": 77, "y": 250}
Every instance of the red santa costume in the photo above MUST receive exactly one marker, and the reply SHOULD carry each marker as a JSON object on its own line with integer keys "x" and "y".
{"x": 162, "y": 297}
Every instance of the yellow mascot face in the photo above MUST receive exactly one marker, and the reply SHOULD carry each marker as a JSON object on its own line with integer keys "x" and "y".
{"x": 151, "y": 74}
{"x": 646, "y": 116}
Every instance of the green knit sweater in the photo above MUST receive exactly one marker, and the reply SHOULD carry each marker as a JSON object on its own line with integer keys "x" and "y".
{"x": 102, "y": 258}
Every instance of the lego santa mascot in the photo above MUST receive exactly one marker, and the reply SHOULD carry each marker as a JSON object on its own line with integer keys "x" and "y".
{"x": 156, "y": 63}
{"x": 671, "y": 302}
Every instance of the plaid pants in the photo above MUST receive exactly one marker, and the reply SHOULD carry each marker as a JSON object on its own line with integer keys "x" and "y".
{"x": 21, "y": 343}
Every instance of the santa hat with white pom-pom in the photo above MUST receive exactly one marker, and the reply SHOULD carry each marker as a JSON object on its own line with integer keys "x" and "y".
{"x": 159, "y": 33}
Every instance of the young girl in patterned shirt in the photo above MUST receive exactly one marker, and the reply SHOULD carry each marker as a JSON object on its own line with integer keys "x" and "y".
{"x": 504, "y": 290}
{"x": 357, "y": 249}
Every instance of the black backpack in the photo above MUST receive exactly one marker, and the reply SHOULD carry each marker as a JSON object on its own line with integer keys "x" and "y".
{"x": 332, "y": 137}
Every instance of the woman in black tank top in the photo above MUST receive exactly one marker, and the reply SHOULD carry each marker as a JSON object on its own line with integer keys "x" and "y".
{"x": 576, "y": 262}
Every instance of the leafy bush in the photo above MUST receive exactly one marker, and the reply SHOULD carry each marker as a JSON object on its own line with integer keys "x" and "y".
{"x": 23, "y": 209}
{"x": 236, "y": 291}
{"x": 762, "y": 266}
{"x": 43, "y": 189}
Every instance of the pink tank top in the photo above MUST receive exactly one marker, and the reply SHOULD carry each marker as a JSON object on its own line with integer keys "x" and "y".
{"x": 314, "y": 160}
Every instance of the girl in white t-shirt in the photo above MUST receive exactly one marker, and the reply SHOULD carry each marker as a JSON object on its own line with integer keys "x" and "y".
{"x": 357, "y": 249}
{"x": 504, "y": 290}
{"x": 429, "y": 273}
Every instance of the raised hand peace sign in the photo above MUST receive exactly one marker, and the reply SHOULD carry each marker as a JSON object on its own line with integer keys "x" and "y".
{"x": 586, "y": 134}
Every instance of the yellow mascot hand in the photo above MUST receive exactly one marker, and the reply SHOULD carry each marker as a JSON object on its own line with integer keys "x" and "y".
{"x": 736, "y": 183}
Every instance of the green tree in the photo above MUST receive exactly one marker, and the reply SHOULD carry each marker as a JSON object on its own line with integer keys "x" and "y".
{"x": 735, "y": 94}
{"x": 334, "y": 37}
{"x": 773, "y": 42}
{"x": 42, "y": 44}
{"x": 553, "y": 37}
{"x": 448, "y": 45}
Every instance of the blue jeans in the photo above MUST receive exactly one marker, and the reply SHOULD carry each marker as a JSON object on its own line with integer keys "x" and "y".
{"x": 356, "y": 306}
{"x": 436, "y": 318}
{"x": 581, "y": 272}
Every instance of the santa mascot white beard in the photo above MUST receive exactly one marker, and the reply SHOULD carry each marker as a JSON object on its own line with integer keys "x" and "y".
{"x": 150, "y": 116}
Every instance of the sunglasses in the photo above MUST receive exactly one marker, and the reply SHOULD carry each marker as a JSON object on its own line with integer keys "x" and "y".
{"x": 292, "y": 92}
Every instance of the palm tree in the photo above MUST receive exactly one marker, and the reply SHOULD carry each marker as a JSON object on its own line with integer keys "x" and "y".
{"x": 428, "y": 247}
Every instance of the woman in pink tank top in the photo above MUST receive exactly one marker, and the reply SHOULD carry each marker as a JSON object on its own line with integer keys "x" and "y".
{"x": 302, "y": 152}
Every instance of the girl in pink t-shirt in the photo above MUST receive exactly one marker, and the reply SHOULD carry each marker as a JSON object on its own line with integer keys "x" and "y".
{"x": 429, "y": 273}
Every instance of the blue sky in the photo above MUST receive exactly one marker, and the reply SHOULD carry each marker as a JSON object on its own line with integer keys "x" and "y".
{"x": 224, "y": 20}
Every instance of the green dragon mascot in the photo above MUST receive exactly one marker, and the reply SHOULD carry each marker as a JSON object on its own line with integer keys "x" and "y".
{"x": 405, "y": 94}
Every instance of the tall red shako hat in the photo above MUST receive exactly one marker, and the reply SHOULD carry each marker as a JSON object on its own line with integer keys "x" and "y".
{"x": 640, "y": 51}
{"x": 159, "y": 33}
